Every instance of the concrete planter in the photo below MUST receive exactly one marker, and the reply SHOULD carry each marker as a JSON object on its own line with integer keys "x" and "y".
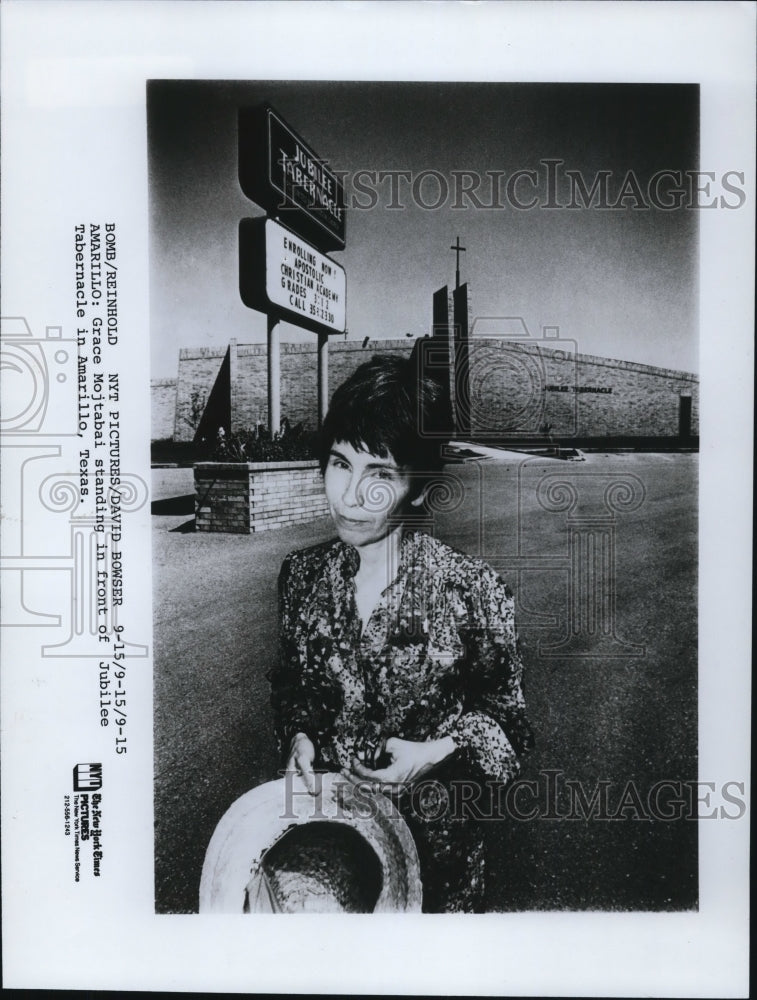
{"x": 246, "y": 497}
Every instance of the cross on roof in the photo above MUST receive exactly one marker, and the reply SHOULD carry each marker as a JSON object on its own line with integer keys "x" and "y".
{"x": 458, "y": 250}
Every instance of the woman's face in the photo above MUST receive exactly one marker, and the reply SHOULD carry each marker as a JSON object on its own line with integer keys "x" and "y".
{"x": 366, "y": 493}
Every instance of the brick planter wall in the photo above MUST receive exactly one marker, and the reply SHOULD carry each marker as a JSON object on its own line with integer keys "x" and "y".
{"x": 246, "y": 497}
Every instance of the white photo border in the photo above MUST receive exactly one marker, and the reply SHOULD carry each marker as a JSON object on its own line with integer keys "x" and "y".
{"x": 74, "y": 147}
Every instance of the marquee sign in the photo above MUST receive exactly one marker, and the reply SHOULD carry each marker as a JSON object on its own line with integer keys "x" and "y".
{"x": 279, "y": 270}
{"x": 279, "y": 171}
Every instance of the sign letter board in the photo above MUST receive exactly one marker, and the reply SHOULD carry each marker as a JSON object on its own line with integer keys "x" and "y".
{"x": 282, "y": 174}
{"x": 278, "y": 270}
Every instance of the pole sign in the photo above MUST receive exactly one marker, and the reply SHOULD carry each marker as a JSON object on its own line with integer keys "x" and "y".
{"x": 279, "y": 171}
{"x": 278, "y": 270}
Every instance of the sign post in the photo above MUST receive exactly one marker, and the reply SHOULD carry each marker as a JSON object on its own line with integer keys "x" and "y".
{"x": 323, "y": 376}
{"x": 274, "y": 376}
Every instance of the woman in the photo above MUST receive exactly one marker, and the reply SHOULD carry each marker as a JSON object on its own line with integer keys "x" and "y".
{"x": 399, "y": 659}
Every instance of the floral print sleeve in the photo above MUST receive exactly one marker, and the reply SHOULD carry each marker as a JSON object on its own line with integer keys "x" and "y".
{"x": 297, "y": 707}
{"x": 492, "y": 731}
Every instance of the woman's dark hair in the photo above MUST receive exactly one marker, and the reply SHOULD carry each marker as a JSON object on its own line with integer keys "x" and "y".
{"x": 388, "y": 407}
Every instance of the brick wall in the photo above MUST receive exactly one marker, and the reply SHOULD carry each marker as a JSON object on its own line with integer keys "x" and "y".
{"x": 246, "y": 498}
{"x": 346, "y": 356}
{"x": 163, "y": 408}
{"x": 512, "y": 388}
{"x": 250, "y": 390}
{"x": 299, "y": 377}
{"x": 198, "y": 370}
{"x": 517, "y": 388}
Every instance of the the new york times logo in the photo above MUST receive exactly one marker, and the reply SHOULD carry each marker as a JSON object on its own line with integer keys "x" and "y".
{"x": 86, "y": 812}
{"x": 88, "y": 777}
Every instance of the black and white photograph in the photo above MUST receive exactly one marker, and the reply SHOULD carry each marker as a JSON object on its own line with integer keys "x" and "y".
{"x": 376, "y": 445}
{"x": 475, "y": 590}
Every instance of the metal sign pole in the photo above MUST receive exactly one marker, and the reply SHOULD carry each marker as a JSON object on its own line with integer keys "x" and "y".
{"x": 274, "y": 375}
{"x": 323, "y": 376}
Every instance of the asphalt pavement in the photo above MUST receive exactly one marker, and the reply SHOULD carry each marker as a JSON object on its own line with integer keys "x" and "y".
{"x": 602, "y": 556}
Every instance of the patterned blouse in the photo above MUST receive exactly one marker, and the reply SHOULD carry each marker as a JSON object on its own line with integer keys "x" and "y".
{"x": 437, "y": 657}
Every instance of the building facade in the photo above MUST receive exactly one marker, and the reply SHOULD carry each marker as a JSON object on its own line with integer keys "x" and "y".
{"x": 522, "y": 390}
{"x": 506, "y": 390}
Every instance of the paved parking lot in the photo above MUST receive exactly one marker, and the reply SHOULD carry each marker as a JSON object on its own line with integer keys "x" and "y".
{"x": 611, "y": 664}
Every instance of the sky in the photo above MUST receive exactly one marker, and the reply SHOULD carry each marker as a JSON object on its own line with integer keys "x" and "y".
{"x": 619, "y": 283}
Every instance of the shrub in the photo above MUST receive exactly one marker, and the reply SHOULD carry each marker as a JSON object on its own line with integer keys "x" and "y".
{"x": 291, "y": 444}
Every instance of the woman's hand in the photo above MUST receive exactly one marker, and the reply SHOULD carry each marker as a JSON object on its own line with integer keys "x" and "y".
{"x": 301, "y": 758}
{"x": 409, "y": 762}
